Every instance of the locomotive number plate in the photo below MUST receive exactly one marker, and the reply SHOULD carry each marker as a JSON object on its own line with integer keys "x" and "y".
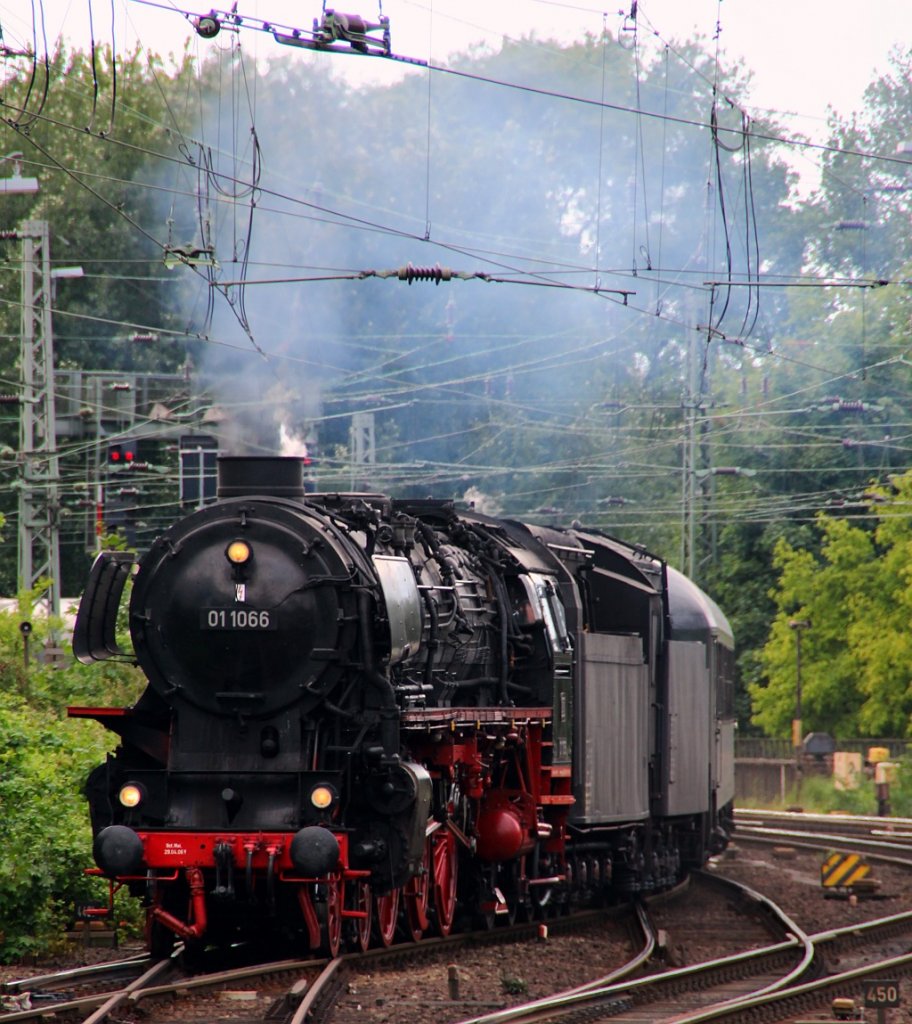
{"x": 243, "y": 619}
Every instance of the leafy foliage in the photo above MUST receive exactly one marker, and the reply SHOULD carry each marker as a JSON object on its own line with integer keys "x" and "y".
{"x": 819, "y": 794}
{"x": 96, "y": 138}
{"x": 856, "y": 670}
{"x": 44, "y": 761}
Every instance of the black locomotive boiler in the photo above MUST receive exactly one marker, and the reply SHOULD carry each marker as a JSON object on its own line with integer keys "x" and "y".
{"x": 366, "y": 715}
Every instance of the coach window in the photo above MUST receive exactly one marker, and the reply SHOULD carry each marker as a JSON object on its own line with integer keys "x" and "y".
{"x": 553, "y": 614}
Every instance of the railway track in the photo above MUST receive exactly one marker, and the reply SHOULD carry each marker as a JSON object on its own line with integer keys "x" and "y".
{"x": 792, "y": 973}
{"x": 841, "y": 824}
{"x": 764, "y": 969}
{"x": 773, "y": 982}
{"x": 50, "y": 986}
{"x": 61, "y": 995}
{"x": 78, "y": 993}
{"x": 888, "y": 840}
{"x": 812, "y": 996}
{"x": 310, "y": 990}
{"x": 284, "y": 992}
{"x": 893, "y": 833}
{"x": 801, "y": 972}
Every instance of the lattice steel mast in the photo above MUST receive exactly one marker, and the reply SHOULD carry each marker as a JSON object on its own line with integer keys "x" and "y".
{"x": 39, "y": 476}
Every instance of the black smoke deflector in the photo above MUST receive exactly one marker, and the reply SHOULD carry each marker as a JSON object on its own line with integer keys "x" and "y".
{"x": 94, "y": 634}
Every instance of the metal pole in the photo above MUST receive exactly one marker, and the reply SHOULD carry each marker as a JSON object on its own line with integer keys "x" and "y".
{"x": 798, "y": 625}
{"x": 798, "y": 678}
{"x": 364, "y": 453}
{"x": 39, "y": 502}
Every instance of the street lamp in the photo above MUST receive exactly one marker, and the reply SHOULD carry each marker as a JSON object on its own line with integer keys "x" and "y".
{"x": 64, "y": 274}
{"x": 798, "y": 625}
{"x": 17, "y": 185}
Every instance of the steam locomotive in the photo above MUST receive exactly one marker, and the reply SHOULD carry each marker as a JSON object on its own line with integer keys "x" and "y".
{"x": 366, "y": 717}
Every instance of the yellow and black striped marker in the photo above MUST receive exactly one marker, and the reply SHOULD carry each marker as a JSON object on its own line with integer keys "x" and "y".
{"x": 841, "y": 870}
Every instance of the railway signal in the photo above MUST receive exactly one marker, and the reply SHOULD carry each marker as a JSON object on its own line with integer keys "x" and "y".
{"x": 120, "y": 454}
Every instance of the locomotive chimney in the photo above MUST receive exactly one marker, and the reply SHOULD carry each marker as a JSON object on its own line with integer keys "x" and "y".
{"x": 267, "y": 475}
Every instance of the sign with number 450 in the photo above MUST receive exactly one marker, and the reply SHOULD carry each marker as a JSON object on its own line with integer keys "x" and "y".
{"x": 881, "y": 993}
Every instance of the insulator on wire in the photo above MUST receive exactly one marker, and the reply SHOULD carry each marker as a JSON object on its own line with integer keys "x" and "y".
{"x": 436, "y": 273}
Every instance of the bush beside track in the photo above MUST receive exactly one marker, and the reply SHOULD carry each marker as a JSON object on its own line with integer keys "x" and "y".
{"x": 44, "y": 761}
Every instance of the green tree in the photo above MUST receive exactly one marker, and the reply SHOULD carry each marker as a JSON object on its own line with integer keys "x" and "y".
{"x": 99, "y": 139}
{"x": 856, "y": 670}
{"x": 96, "y": 140}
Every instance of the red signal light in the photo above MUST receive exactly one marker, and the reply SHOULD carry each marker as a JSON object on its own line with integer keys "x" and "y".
{"x": 119, "y": 453}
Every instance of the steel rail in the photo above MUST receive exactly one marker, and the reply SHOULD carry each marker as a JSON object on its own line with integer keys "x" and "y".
{"x": 876, "y": 849}
{"x": 809, "y": 994}
{"x": 140, "y": 988}
{"x": 61, "y": 979}
{"x": 634, "y": 964}
{"x": 896, "y": 832}
{"x": 116, "y": 998}
{"x": 317, "y": 991}
{"x": 303, "y": 995}
{"x": 553, "y": 1007}
{"x": 84, "y": 1003}
{"x": 868, "y": 821}
{"x": 212, "y": 980}
{"x": 581, "y": 993}
{"x": 606, "y": 991}
{"x": 759, "y": 1000}
{"x": 81, "y": 1005}
{"x": 796, "y": 998}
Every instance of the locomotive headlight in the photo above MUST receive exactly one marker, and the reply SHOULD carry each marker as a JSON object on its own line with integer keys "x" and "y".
{"x": 238, "y": 552}
{"x": 131, "y": 795}
{"x": 322, "y": 797}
